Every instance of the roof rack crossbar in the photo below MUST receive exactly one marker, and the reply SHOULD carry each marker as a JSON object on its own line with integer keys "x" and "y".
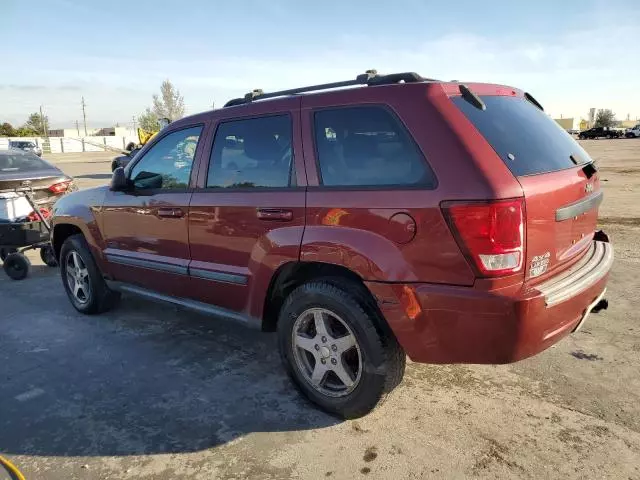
{"x": 370, "y": 77}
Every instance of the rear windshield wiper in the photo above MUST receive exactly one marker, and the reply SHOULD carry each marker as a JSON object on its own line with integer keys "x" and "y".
{"x": 589, "y": 168}
{"x": 471, "y": 97}
{"x": 530, "y": 98}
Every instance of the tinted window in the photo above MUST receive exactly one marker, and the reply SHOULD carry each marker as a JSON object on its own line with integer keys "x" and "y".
{"x": 367, "y": 146}
{"x": 21, "y": 163}
{"x": 168, "y": 163}
{"x": 252, "y": 153}
{"x": 527, "y": 140}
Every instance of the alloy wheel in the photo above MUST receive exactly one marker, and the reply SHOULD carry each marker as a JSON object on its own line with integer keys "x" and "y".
{"x": 78, "y": 278}
{"x": 326, "y": 352}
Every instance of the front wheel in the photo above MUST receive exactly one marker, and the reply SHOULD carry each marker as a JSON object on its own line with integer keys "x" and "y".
{"x": 82, "y": 279}
{"x": 333, "y": 348}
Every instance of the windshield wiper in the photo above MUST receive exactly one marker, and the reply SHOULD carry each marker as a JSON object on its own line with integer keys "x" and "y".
{"x": 471, "y": 97}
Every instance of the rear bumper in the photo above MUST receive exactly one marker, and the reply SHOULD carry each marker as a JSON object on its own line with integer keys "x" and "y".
{"x": 446, "y": 324}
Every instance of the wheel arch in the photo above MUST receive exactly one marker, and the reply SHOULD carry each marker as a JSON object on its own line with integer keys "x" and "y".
{"x": 293, "y": 274}
{"x": 60, "y": 233}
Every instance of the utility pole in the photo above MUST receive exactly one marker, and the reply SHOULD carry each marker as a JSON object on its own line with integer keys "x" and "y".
{"x": 134, "y": 123}
{"x": 44, "y": 123}
{"x": 84, "y": 116}
{"x": 77, "y": 127}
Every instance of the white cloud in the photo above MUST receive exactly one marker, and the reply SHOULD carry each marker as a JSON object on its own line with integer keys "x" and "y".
{"x": 568, "y": 72}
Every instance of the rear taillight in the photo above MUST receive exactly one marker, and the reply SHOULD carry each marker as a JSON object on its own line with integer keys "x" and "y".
{"x": 490, "y": 233}
{"x": 58, "y": 188}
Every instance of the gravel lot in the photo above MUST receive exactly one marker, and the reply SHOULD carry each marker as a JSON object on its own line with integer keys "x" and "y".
{"x": 149, "y": 391}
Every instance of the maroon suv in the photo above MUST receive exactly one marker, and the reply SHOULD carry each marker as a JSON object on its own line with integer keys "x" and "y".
{"x": 454, "y": 223}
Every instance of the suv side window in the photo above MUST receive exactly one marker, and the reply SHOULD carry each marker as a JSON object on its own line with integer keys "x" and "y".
{"x": 252, "y": 153}
{"x": 367, "y": 146}
{"x": 167, "y": 165}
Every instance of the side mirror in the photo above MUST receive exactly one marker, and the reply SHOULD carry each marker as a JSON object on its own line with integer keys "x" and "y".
{"x": 119, "y": 180}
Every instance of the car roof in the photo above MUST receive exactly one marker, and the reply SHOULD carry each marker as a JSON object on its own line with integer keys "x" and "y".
{"x": 260, "y": 103}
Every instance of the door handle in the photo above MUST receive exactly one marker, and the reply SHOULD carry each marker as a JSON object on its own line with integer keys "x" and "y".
{"x": 275, "y": 214}
{"x": 170, "y": 212}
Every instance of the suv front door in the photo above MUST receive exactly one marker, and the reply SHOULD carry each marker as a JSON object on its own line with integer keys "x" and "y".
{"x": 247, "y": 215}
{"x": 145, "y": 227}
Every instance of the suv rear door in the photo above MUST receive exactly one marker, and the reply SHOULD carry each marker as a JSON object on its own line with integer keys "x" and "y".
{"x": 560, "y": 184}
{"x": 247, "y": 216}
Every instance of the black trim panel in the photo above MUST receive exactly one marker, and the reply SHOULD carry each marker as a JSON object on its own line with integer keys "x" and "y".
{"x": 151, "y": 265}
{"x": 218, "y": 276}
{"x": 579, "y": 207}
{"x": 186, "y": 303}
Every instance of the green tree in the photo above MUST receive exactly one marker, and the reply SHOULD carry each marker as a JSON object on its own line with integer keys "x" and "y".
{"x": 7, "y": 130}
{"x": 37, "y": 123}
{"x": 169, "y": 104}
{"x": 149, "y": 121}
{"x": 605, "y": 118}
{"x": 26, "y": 132}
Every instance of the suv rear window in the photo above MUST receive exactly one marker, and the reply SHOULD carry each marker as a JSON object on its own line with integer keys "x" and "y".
{"x": 367, "y": 146}
{"x": 527, "y": 140}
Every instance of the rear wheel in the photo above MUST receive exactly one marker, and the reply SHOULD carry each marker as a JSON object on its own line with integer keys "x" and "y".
{"x": 332, "y": 349}
{"x": 17, "y": 266}
{"x": 82, "y": 279}
{"x": 48, "y": 256}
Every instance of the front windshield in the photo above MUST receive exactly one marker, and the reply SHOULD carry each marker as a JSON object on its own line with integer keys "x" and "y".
{"x": 22, "y": 144}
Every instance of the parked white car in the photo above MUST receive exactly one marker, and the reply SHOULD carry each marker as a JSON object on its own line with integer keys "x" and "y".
{"x": 26, "y": 145}
{"x": 633, "y": 132}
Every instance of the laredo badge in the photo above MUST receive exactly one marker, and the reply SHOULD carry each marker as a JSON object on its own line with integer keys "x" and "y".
{"x": 539, "y": 264}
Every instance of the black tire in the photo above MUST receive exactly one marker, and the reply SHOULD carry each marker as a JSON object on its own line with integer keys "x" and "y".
{"x": 48, "y": 256}
{"x": 5, "y": 252}
{"x": 382, "y": 359}
{"x": 580, "y": 137}
{"x": 99, "y": 297}
{"x": 17, "y": 266}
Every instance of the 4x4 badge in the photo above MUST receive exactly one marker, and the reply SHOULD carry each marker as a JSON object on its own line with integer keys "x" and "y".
{"x": 588, "y": 188}
{"x": 539, "y": 264}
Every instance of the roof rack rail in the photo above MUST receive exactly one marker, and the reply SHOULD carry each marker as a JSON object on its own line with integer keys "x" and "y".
{"x": 370, "y": 78}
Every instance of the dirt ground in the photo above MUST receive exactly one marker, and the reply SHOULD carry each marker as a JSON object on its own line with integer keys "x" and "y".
{"x": 152, "y": 392}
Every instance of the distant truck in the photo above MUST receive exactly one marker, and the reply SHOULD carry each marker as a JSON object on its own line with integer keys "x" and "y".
{"x": 599, "y": 132}
{"x": 633, "y": 132}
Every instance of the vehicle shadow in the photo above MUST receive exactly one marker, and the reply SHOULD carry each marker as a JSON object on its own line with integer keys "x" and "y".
{"x": 143, "y": 379}
{"x": 95, "y": 176}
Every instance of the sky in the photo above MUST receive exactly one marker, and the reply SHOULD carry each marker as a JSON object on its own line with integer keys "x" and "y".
{"x": 569, "y": 54}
